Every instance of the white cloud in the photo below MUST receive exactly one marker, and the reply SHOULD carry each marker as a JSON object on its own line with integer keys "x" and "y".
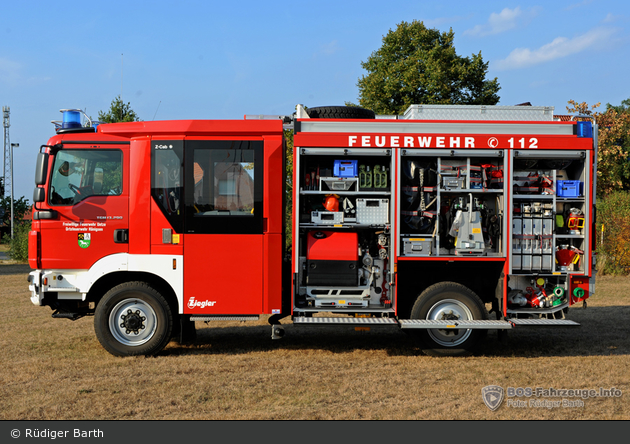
{"x": 9, "y": 70}
{"x": 446, "y": 20}
{"x": 13, "y": 74}
{"x": 610, "y": 18}
{"x": 503, "y": 21}
{"x": 328, "y": 48}
{"x": 578, "y": 5}
{"x": 560, "y": 47}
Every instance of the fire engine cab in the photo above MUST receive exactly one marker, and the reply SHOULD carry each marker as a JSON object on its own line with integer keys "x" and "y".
{"x": 446, "y": 222}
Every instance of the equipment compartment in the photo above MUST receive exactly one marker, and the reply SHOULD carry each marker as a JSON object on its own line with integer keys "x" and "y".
{"x": 344, "y": 205}
{"x": 453, "y": 199}
{"x": 548, "y": 213}
{"x": 537, "y": 296}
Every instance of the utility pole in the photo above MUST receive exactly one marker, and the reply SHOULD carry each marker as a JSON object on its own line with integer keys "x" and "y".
{"x": 16, "y": 145}
{"x": 6, "y": 157}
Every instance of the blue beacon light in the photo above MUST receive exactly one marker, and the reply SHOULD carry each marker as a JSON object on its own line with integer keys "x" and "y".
{"x": 71, "y": 118}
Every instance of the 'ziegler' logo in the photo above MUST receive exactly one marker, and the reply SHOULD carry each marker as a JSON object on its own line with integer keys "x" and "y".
{"x": 199, "y": 304}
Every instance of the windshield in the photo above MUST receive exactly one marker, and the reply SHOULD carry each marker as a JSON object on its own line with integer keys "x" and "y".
{"x": 78, "y": 174}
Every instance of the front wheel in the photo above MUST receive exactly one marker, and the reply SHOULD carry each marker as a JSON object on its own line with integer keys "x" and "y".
{"x": 133, "y": 319}
{"x": 449, "y": 301}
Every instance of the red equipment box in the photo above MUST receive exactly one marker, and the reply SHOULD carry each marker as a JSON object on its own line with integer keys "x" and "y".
{"x": 332, "y": 258}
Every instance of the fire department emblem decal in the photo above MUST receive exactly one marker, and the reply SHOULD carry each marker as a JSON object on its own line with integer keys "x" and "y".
{"x": 84, "y": 240}
{"x": 492, "y": 396}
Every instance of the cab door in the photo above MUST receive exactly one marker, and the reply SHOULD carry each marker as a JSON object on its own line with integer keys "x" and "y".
{"x": 223, "y": 227}
{"x": 89, "y": 195}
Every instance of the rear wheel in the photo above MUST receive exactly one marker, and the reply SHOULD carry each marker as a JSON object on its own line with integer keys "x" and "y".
{"x": 449, "y": 301}
{"x": 133, "y": 319}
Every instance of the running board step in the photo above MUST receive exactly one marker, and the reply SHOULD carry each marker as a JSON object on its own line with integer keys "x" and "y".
{"x": 544, "y": 323}
{"x": 479, "y": 325}
{"x": 302, "y": 320}
{"x": 71, "y": 316}
{"x": 224, "y": 318}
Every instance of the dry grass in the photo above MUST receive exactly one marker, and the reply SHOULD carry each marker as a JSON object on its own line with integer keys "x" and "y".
{"x": 4, "y": 248}
{"x": 56, "y": 369}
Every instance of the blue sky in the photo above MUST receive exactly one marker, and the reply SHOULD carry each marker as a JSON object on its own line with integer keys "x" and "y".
{"x": 221, "y": 60}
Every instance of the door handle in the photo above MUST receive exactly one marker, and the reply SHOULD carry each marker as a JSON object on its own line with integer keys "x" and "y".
{"x": 121, "y": 236}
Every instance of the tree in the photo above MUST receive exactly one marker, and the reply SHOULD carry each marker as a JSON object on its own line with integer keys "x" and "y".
{"x": 118, "y": 112}
{"x": 20, "y": 208}
{"x": 418, "y": 65}
{"x": 624, "y": 107}
{"x": 613, "y": 150}
{"x": 613, "y": 184}
{"x": 288, "y": 215}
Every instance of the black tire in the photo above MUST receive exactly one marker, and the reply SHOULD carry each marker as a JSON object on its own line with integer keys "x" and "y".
{"x": 449, "y": 300}
{"x": 133, "y": 319}
{"x": 340, "y": 112}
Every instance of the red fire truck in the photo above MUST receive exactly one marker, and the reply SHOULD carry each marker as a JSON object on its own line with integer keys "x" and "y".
{"x": 447, "y": 222}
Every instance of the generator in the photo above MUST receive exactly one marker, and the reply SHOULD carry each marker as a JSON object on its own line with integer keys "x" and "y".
{"x": 332, "y": 258}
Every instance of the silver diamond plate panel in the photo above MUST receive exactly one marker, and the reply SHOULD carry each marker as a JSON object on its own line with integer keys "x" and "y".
{"x": 427, "y": 127}
{"x": 544, "y": 322}
{"x": 373, "y": 211}
{"x": 480, "y": 324}
{"x": 479, "y": 112}
{"x": 344, "y": 321}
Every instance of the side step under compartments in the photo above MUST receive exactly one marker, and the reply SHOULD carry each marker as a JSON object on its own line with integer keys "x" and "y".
{"x": 302, "y": 320}
{"x": 544, "y": 323}
{"x": 430, "y": 324}
{"x": 224, "y": 318}
{"x": 487, "y": 325}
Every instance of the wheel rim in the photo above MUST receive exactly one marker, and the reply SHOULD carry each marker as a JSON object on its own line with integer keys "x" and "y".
{"x": 449, "y": 310}
{"x": 132, "y": 322}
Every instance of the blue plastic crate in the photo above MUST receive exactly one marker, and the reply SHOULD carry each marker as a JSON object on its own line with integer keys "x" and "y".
{"x": 346, "y": 168}
{"x": 569, "y": 188}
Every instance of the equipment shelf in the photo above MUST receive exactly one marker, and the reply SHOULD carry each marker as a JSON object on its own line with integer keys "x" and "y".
{"x": 347, "y": 193}
{"x": 434, "y": 186}
{"x": 549, "y": 310}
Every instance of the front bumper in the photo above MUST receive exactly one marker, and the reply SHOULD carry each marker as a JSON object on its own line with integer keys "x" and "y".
{"x": 64, "y": 284}
{"x": 34, "y": 286}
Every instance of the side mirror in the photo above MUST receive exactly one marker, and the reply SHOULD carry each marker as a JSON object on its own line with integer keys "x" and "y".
{"x": 41, "y": 169}
{"x": 39, "y": 195}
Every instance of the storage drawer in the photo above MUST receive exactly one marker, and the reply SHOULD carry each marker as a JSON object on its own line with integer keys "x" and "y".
{"x": 327, "y": 217}
{"x": 373, "y": 211}
{"x": 418, "y": 246}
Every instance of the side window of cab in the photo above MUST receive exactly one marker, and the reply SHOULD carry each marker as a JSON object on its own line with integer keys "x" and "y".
{"x": 79, "y": 174}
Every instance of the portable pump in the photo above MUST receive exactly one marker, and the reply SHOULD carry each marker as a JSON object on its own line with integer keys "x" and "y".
{"x": 466, "y": 227}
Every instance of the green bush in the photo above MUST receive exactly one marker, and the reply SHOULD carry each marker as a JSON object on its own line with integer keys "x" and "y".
{"x": 18, "y": 246}
{"x": 613, "y": 234}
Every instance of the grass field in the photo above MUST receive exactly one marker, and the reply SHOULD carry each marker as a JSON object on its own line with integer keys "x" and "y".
{"x": 56, "y": 369}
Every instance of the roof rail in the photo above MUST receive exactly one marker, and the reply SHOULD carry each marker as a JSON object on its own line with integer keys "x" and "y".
{"x": 287, "y": 121}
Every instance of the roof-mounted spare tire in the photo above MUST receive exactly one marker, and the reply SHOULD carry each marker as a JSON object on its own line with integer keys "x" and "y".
{"x": 340, "y": 112}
